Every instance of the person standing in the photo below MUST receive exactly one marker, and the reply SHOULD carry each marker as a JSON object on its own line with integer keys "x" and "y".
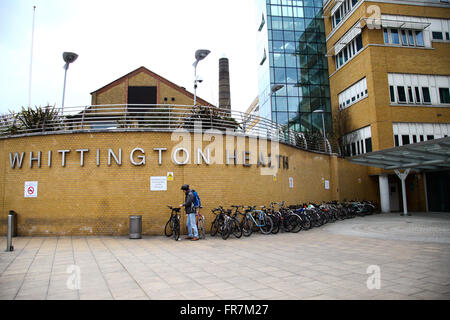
{"x": 190, "y": 213}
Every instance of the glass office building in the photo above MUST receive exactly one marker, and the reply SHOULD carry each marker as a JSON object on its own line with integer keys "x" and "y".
{"x": 293, "y": 68}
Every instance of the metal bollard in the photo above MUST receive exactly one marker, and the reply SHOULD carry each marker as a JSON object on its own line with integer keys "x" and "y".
{"x": 9, "y": 246}
{"x": 14, "y": 227}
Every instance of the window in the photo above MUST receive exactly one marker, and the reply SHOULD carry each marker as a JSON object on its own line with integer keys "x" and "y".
{"x": 419, "y": 89}
{"x": 392, "y": 93}
{"x": 444, "y": 95}
{"x": 342, "y": 11}
{"x": 349, "y": 51}
{"x": 411, "y": 37}
{"x": 426, "y": 95}
{"x": 396, "y": 143}
{"x": 437, "y": 35}
{"x": 410, "y": 95}
{"x": 368, "y": 144}
{"x": 413, "y": 132}
{"x": 394, "y": 36}
{"x": 416, "y": 89}
{"x": 419, "y": 39}
{"x": 359, "y": 43}
{"x": 352, "y": 94}
{"x": 357, "y": 142}
{"x": 405, "y": 139}
{"x": 386, "y": 35}
{"x": 404, "y": 37}
{"x": 401, "y": 94}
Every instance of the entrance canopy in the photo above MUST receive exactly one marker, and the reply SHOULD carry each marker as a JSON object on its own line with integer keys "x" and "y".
{"x": 423, "y": 156}
{"x": 428, "y": 155}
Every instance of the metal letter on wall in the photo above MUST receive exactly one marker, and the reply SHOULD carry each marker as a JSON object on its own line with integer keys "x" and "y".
{"x": 118, "y": 160}
{"x": 13, "y": 160}
{"x": 141, "y": 157}
{"x": 82, "y": 151}
{"x": 174, "y": 156}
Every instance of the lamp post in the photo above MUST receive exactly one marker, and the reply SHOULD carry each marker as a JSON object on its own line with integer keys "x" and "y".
{"x": 68, "y": 57}
{"x": 199, "y": 55}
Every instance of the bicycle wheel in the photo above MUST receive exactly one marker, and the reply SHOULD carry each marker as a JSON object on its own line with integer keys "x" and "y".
{"x": 236, "y": 228}
{"x": 247, "y": 227}
{"x": 276, "y": 223}
{"x": 295, "y": 223}
{"x": 201, "y": 227}
{"x": 168, "y": 229}
{"x": 214, "y": 227}
{"x": 268, "y": 225}
{"x": 176, "y": 229}
{"x": 306, "y": 222}
{"x": 226, "y": 230}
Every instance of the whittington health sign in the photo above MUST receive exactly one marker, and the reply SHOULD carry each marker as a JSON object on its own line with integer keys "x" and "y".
{"x": 90, "y": 183}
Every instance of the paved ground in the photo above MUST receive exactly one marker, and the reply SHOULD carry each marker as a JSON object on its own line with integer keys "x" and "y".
{"x": 331, "y": 262}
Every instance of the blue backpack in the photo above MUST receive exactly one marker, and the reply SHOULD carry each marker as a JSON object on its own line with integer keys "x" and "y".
{"x": 197, "y": 202}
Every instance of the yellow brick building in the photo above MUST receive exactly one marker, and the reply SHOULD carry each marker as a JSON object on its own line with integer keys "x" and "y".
{"x": 143, "y": 86}
{"x": 95, "y": 194}
{"x": 389, "y": 66}
{"x": 89, "y": 182}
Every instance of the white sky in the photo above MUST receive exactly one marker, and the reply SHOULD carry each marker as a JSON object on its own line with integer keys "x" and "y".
{"x": 115, "y": 37}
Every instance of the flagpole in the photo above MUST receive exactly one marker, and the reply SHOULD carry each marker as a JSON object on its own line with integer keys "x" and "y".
{"x": 31, "y": 58}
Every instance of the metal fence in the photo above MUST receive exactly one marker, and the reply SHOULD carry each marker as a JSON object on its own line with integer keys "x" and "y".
{"x": 159, "y": 118}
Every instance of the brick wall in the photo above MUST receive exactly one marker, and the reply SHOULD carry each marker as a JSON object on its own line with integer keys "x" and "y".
{"x": 97, "y": 200}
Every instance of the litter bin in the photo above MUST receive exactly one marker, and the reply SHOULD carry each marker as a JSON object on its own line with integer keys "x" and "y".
{"x": 135, "y": 227}
{"x": 14, "y": 222}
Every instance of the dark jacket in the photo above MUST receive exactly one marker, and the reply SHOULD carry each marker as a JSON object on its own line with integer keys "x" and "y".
{"x": 189, "y": 202}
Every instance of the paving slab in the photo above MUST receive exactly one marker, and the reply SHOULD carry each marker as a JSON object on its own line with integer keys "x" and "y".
{"x": 335, "y": 261}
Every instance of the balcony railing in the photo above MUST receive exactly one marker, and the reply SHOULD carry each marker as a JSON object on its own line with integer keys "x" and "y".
{"x": 159, "y": 118}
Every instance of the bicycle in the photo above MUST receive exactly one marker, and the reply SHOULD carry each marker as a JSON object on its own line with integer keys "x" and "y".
{"x": 232, "y": 225}
{"x": 261, "y": 221}
{"x": 217, "y": 224}
{"x": 173, "y": 224}
{"x": 200, "y": 220}
{"x": 289, "y": 220}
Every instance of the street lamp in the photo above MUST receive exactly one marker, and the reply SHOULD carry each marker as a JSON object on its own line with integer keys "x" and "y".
{"x": 68, "y": 57}
{"x": 199, "y": 55}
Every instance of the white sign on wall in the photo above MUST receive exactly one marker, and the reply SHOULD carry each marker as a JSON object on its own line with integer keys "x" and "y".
{"x": 327, "y": 185}
{"x": 158, "y": 183}
{"x": 291, "y": 182}
{"x": 31, "y": 189}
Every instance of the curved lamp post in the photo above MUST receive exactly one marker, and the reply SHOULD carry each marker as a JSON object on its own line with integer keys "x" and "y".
{"x": 199, "y": 55}
{"x": 68, "y": 57}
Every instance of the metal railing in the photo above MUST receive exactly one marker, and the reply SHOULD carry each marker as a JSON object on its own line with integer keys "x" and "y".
{"x": 161, "y": 118}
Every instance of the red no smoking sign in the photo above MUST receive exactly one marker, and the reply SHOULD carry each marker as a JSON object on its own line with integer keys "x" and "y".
{"x": 31, "y": 189}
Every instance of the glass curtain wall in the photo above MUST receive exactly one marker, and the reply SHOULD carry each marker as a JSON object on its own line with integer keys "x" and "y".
{"x": 293, "y": 81}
